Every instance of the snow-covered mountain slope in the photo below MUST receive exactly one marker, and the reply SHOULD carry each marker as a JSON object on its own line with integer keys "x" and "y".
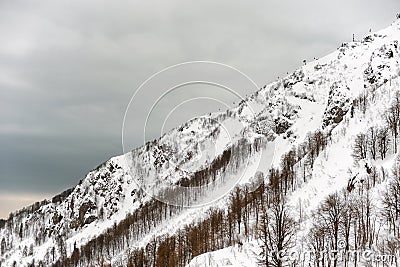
{"x": 363, "y": 74}
{"x": 220, "y": 149}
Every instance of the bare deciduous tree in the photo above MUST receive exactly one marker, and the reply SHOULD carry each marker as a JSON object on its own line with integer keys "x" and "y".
{"x": 360, "y": 147}
{"x": 383, "y": 142}
{"x": 392, "y": 117}
{"x": 279, "y": 234}
{"x": 373, "y": 141}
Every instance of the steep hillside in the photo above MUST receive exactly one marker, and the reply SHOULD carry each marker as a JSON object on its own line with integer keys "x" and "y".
{"x": 306, "y": 125}
{"x": 356, "y": 175}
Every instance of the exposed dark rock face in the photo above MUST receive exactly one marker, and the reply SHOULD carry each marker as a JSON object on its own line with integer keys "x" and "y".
{"x": 338, "y": 104}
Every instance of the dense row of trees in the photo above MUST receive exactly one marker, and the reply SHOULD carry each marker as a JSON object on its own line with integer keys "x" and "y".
{"x": 285, "y": 179}
{"x": 273, "y": 225}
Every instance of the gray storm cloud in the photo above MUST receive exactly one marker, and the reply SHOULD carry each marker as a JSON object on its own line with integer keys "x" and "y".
{"x": 68, "y": 69}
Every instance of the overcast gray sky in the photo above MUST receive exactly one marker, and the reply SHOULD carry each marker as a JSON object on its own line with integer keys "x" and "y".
{"x": 68, "y": 69}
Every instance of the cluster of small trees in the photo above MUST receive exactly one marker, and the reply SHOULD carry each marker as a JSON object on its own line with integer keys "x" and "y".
{"x": 376, "y": 142}
{"x": 391, "y": 202}
{"x": 343, "y": 221}
{"x": 392, "y": 117}
{"x": 350, "y": 221}
{"x": 285, "y": 179}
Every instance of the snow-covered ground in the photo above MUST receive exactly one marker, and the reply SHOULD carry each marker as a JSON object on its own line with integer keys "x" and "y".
{"x": 234, "y": 256}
